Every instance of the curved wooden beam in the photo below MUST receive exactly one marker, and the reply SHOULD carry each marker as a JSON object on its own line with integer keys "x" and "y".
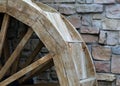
{"x": 73, "y": 62}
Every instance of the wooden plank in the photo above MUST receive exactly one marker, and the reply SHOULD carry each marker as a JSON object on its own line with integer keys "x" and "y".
{"x": 16, "y": 53}
{"x": 29, "y": 68}
{"x": 44, "y": 84}
{"x": 34, "y": 54}
{"x": 3, "y": 31}
{"x": 37, "y": 71}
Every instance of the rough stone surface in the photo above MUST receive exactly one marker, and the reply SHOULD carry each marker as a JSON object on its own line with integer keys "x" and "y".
{"x": 90, "y": 38}
{"x": 75, "y": 20}
{"x": 90, "y": 30}
{"x": 104, "y": 1}
{"x": 89, "y": 1}
{"x": 86, "y": 20}
{"x": 116, "y": 50}
{"x": 81, "y": 1}
{"x": 102, "y": 66}
{"x": 110, "y": 24}
{"x": 89, "y": 8}
{"x": 115, "y": 65}
{"x": 97, "y": 16}
{"x": 113, "y": 11}
{"x": 67, "y": 9}
{"x": 109, "y": 37}
{"x": 101, "y": 53}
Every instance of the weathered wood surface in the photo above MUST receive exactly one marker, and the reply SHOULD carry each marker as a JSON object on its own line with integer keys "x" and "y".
{"x": 16, "y": 53}
{"x": 72, "y": 60}
{"x": 29, "y": 68}
{"x": 3, "y": 31}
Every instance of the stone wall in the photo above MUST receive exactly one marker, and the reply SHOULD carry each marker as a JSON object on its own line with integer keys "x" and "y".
{"x": 98, "y": 21}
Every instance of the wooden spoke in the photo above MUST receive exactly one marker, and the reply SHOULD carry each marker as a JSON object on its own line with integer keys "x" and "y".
{"x": 44, "y": 84}
{"x": 34, "y": 54}
{"x": 16, "y": 53}
{"x": 29, "y": 68}
{"x": 3, "y": 31}
{"x": 37, "y": 71}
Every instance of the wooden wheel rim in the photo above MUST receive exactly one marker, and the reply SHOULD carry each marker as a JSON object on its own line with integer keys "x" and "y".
{"x": 72, "y": 60}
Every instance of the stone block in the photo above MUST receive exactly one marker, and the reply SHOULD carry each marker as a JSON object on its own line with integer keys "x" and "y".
{"x": 102, "y": 66}
{"x": 89, "y": 30}
{"x": 115, "y": 64}
{"x": 110, "y": 24}
{"x": 67, "y": 9}
{"x": 81, "y": 1}
{"x": 89, "y": 38}
{"x": 89, "y": 8}
{"x": 75, "y": 21}
{"x": 109, "y": 37}
{"x": 113, "y": 11}
{"x": 101, "y": 52}
{"x": 104, "y": 1}
{"x": 86, "y": 20}
{"x": 97, "y": 24}
{"x": 116, "y": 50}
{"x": 89, "y": 1}
{"x": 98, "y": 16}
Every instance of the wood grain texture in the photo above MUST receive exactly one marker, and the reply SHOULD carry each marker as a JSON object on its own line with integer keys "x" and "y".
{"x": 72, "y": 60}
{"x": 3, "y": 31}
{"x": 16, "y": 53}
{"x": 24, "y": 71}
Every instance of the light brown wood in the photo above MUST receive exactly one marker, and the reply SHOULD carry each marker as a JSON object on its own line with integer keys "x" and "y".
{"x": 16, "y": 53}
{"x": 72, "y": 60}
{"x": 3, "y": 31}
{"x": 37, "y": 71}
{"x": 27, "y": 69}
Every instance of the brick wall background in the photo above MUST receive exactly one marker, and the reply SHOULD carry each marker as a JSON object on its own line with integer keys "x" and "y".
{"x": 98, "y": 21}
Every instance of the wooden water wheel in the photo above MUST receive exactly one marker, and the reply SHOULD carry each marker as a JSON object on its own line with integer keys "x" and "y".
{"x": 67, "y": 50}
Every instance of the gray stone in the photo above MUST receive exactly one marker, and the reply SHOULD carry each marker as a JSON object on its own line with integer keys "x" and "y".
{"x": 110, "y": 24}
{"x": 109, "y": 37}
{"x": 97, "y": 24}
{"x": 116, "y": 50}
{"x": 81, "y": 1}
{"x": 104, "y": 1}
{"x": 89, "y": 1}
{"x": 97, "y": 16}
{"x": 89, "y": 8}
{"x": 86, "y": 20}
{"x": 67, "y": 9}
{"x": 89, "y": 30}
{"x": 113, "y": 11}
{"x": 115, "y": 64}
